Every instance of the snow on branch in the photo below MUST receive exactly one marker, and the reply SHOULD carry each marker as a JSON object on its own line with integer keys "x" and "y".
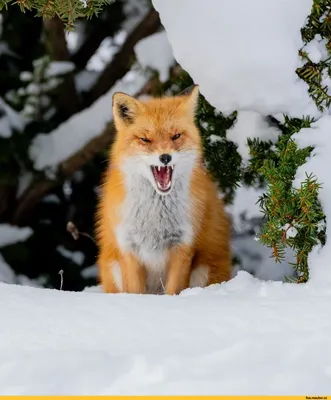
{"x": 155, "y": 52}
{"x": 122, "y": 61}
{"x": 49, "y": 150}
{"x": 244, "y": 63}
{"x": 12, "y": 234}
{"x": 9, "y": 120}
{"x": 250, "y": 124}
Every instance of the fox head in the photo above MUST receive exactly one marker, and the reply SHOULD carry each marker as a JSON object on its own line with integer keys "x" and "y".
{"x": 157, "y": 138}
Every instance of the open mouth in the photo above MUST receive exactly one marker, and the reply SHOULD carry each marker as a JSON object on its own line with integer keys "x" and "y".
{"x": 163, "y": 177}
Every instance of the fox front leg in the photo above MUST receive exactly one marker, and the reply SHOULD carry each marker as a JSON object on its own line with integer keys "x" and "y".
{"x": 179, "y": 269}
{"x": 134, "y": 275}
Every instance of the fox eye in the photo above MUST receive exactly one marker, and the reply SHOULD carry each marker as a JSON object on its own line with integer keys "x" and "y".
{"x": 145, "y": 140}
{"x": 177, "y": 136}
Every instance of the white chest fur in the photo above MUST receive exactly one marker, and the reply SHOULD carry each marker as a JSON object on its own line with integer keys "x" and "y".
{"x": 152, "y": 223}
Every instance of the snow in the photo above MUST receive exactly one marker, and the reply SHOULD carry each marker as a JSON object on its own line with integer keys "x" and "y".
{"x": 90, "y": 272}
{"x": 10, "y": 234}
{"x": 245, "y": 207}
{"x": 7, "y": 275}
{"x": 5, "y": 50}
{"x": 290, "y": 231}
{"x": 76, "y": 256}
{"x": 106, "y": 51}
{"x": 256, "y": 259}
{"x": 243, "y": 337}
{"x": 85, "y": 80}
{"x": 250, "y": 124}
{"x": 155, "y": 52}
{"x": 49, "y": 150}
{"x": 320, "y": 165}
{"x": 244, "y": 60}
{"x": 26, "y": 76}
{"x": 76, "y": 37}
{"x": 57, "y": 68}
{"x": 317, "y": 50}
{"x": 9, "y": 120}
{"x": 25, "y": 281}
{"x": 214, "y": 139}
{"x": 33, "y": 89}
{"x": 134, "y": 11}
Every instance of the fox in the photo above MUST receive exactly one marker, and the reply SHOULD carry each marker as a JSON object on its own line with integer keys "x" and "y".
{"x": 161, "y": 226}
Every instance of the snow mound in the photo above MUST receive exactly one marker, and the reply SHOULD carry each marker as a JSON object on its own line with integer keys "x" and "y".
{"x": 155, "y": 52}
{"x": 242, "y": 337}
{"x": 243, "y": 54}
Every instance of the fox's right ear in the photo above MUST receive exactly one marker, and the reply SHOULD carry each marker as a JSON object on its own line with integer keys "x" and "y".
{"x": 125, "y": 109}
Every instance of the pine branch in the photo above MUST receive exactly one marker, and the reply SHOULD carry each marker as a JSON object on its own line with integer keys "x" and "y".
{"x": 293, "y": 215}
{"x": 68, "y": 11}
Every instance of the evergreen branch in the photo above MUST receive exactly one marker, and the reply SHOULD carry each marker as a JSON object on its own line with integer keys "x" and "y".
{"x": 68, "y": 11}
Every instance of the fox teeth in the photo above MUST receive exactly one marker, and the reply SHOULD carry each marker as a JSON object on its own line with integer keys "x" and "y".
{"x": 158, "y": 168}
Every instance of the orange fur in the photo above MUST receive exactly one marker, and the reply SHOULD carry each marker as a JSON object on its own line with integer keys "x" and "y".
{"x": 158, "y": 120}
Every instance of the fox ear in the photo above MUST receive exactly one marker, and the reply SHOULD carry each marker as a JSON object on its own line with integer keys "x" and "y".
{"x": 125, "y": 108}
{"x": 192, "y": 100}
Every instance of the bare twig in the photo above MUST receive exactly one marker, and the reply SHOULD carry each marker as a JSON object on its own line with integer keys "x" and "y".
{"x": 61, "y": 275}
{"x": 75, "y": 233}
{"x": 162, "y": 285}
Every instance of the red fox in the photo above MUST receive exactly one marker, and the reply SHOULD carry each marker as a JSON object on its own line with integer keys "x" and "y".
{"x": 161, "y": 227}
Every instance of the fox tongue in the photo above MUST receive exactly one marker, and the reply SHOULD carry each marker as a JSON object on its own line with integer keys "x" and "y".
{"x": 163, "y": 177}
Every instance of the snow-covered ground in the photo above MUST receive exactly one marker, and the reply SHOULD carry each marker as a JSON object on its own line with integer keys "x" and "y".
{"x": 242, "y": 337}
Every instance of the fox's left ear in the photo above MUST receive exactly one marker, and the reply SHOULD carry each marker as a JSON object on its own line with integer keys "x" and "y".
{"x": 125, "y": 109}
{"x": 192, "y": 100}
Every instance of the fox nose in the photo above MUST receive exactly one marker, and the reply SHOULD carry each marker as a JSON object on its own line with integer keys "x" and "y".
{"x": 165, "y": 158}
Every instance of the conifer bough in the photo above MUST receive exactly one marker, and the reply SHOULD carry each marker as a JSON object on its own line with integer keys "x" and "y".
{"x": 67, "y": 10}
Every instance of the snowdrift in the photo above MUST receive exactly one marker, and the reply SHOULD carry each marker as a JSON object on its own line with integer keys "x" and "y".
{"x": 242, "y": 337}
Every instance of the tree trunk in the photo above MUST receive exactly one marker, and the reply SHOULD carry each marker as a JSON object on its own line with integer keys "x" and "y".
{"x": 57, "y": 48}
